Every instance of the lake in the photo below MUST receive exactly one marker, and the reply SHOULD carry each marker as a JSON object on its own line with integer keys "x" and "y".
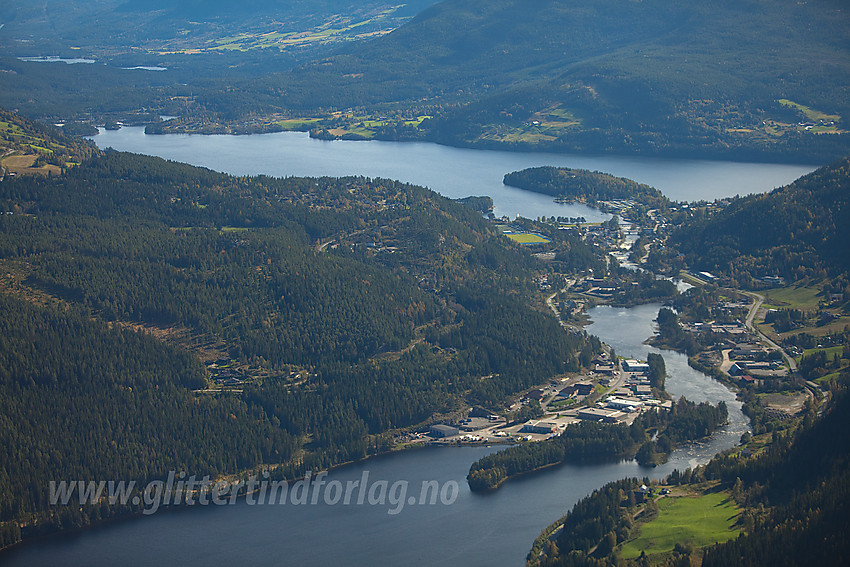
{"x": 476, "y": 529}
{"x": 452, "y": 172}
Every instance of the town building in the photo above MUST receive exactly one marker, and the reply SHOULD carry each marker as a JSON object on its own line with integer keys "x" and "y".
{"x": 600, "y": 414}
{"x": 631, "y": 365}
{"x": 440, "y": 430}
{"x": 544, "y": 427}
{"x": 623, "y": 405}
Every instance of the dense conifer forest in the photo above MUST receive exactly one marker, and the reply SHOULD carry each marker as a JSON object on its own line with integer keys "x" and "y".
{"x": 345, "y": 309}
{"x": 796, "y": 231}
{"x": 159, "y": 317}
{"x": 583, "y": 185}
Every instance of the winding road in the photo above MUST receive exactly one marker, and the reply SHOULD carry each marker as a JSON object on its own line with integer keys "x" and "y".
{"x": 758, "y": 300}
{"x": 550, "y": 301}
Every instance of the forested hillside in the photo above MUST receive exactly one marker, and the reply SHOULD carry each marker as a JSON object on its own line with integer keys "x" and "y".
{"x": 585, "y": 186}
{"x": 805, "y": 485}
{"x": 790, "y": 500}
{"x": 139, "y": 59}
{"x": 794, "y": 231}
{"x": 751, "y": 79}
{"x": 715, "y": 78}
{"x": 341, "y": 309}
{"x": 81, "y": 401}
{"x": 158, "y": 28}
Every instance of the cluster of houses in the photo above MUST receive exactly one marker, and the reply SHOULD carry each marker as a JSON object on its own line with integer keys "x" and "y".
{"x": 570, "y": 307}
{"x": 223, "y": 375}
{"x": 598, "y": 287}
{"x": 736, "y": 331}
{"x": 750, "y": 359}
{"x": 635, "y": 396}
{"x": 751, "y": 370}
{"x": 543, "y": 283}
{"x": 599, "y": 235}
{"x": 632, "y": 398}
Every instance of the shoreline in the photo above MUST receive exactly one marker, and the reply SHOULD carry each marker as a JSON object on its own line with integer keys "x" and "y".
{"x": 121, "y": 517}
{"x": 732, "y": 157}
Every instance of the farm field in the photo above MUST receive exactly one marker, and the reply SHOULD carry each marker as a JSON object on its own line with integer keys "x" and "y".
{"x": 796, "y": 297}
{"x": 546, "y": 126}
{"x": 805, "y": 297}
{"x": 527, "y": 238}
{"x": 337, "y": 28}
{"x": 697, "y": 519}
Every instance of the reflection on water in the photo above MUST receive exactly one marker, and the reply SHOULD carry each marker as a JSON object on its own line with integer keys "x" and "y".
{"x": 496, "y": 528}
{"x": 453, "y": 172}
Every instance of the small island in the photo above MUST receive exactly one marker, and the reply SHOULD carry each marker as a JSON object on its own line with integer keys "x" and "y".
{"x": 582, "y": 185}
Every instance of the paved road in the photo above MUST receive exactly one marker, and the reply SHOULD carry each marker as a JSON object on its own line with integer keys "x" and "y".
{"x": 550, "y": 301}
{"x": 3, "y": 169}
{"x": 758, "y": 300}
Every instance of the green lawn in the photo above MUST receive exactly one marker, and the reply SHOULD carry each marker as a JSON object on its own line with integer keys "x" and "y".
{"x": 797, "y": 297}
{"x": 805, "y": 296}
{"x": 810, "y": 113}
{"x": 297, "y": 123}
{"x": 527, "y": 238}
{"x": 702, "y": 520}
{"x": 830, "y": 352}
{"x": 825, "y": 380}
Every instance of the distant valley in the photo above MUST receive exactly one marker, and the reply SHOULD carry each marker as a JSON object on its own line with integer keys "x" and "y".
{"x": 751, "y": 80}
{"x": 161, "y": 317}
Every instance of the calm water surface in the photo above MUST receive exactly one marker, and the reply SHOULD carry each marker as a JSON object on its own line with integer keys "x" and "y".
{"x": 453, "y": 172}
{"x": 489, "y": 529}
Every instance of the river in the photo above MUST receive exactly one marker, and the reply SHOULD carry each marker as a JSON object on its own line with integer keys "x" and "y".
{"x": 475, "y": 529}
{"x": 452, "y": 172}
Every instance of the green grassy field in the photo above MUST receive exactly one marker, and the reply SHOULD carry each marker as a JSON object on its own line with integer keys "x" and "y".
{"x": 527, "y": 238}
{"x": 543, "y": 126}
{"x": 340, "y": 124}
{"x": 297, "y": 123}
{"x": 337, "y": 28}
{"x": 805, "y": 298}
{"x": 701, "y": 520}
{"x": 796, "y": 297}
{"x": 825, "y": 380}
{"x": 835, "y": 326}
{"x": 810, "y": 113}
{"x": 830, "y": 352}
